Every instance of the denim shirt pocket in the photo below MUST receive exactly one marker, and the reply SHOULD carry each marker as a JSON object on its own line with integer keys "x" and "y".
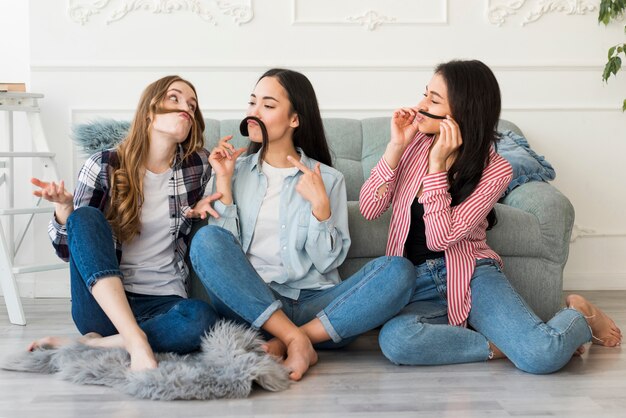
{"x": 303, "y": 228}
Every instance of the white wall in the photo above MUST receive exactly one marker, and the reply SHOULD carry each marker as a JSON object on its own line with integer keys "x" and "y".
{"x": 93, "y": 58}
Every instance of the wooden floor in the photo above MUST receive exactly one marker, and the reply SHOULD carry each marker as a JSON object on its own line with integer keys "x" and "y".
{"x": 353, "y": 382}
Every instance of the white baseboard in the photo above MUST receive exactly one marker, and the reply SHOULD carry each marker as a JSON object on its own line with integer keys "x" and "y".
{"x": 594, "y": 281}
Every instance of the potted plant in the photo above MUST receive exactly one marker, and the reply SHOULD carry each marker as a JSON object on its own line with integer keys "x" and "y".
{"x": 609, "y": 10}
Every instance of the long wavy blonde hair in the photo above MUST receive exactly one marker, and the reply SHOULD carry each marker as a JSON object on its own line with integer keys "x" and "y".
{"x": 128, "y": 171}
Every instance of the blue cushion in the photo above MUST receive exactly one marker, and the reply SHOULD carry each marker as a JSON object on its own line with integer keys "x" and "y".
{"x": 527, "y": 164}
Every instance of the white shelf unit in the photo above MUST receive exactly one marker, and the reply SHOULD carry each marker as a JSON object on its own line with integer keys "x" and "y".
{"x": 10, "y": 243}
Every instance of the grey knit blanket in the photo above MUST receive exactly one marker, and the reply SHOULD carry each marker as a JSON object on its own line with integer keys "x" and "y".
{"x": 230, "y": 361}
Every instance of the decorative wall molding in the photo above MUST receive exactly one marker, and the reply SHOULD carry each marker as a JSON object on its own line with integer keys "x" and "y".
{"x": 582, "y": 232}
{"x": 498, "y": 11}
{"x": 240, "y": 11}
{"x": 370, "y": 14}
{"x": 372, "y": 19}
{"x": 338, "y": 66}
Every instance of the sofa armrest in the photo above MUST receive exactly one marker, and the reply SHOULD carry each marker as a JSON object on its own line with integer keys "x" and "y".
{"x": 535, "y": 210}
{"x": 554, "y": 212}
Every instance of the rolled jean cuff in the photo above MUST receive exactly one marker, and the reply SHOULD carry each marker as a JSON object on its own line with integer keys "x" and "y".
{"x": 329, "y": 327}
{"x": 93, "y": 279}
{"x": 261, "y": 319}
{"x": 575, "y": 315}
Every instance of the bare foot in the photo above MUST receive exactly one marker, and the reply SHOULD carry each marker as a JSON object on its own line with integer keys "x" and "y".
{"x": 580, "y": 351}
{"x": 141, "y": 356}
{"x": 300, "y": 356}
{"x": 497, "y": 354}
{"x": 51, "y": 342}
{"x": 603, "y": 329}
{"x": 276, "y": 348}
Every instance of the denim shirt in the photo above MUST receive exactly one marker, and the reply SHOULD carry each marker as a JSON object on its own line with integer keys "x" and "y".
{"x": 310, "y": 250}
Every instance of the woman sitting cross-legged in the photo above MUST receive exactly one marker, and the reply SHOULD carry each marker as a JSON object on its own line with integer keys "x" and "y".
{"x": 125, "y": 231}
{"x": 442, "y": 175}
{"x": 271, "y": 258}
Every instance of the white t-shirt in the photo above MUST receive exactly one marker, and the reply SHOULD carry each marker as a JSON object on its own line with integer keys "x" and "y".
{"x": 264, "y": 251}
{"x": 148, "y": 261}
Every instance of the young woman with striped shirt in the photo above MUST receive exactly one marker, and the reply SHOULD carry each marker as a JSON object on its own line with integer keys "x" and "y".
{"x": 441, "y": 174}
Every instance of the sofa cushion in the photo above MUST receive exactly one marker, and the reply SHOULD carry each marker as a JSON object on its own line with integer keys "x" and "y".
{"x": 345, "y": 141}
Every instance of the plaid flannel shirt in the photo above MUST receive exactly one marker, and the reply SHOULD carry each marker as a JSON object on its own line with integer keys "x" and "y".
{"x": 186, "y": 187}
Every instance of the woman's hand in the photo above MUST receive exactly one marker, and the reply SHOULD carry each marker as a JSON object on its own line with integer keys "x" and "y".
{"x": 403, "y": 127}
{"x": 444, "y": 149}
{"x": 55, "y": 193}
{"x": 403, "y": 130}
{"x": 311, "y": 188}
{"x": 224, "y": 156}
{"x": 204, "y": 207}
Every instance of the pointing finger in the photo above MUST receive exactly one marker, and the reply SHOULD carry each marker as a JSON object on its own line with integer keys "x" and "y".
{"x": 317, "y": 169}
{"x": 298, "y": 164}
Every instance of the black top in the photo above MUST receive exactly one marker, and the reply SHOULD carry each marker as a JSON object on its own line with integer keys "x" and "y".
{"x": 415, "y": 245}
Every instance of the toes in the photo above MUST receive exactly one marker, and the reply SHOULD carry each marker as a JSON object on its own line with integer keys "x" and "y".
{"x": 295, "y": 376}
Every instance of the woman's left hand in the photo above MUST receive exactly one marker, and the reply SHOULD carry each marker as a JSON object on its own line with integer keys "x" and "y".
{"x": 204, "y": 207}
{"x": 311, "y": 188}
{"x": 445, "y": 147}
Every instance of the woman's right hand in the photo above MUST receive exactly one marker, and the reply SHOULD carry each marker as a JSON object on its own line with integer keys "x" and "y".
{"x": 224, "y": 156}
{"x": 403, "y": 127}
{"x": 403, "y": 130}
{"x": 53, "y": 192}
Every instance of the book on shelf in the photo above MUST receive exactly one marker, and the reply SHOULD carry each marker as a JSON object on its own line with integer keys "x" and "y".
{"x": 12, "y": 87}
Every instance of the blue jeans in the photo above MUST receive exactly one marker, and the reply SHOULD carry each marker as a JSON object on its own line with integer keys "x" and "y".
{"x": 171, "y": 323}
{"x": 420, "y": 334}
{"x": 358, "y": 304}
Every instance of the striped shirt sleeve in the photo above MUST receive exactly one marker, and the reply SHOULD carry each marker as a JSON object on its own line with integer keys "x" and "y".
{"x": 446, "y": 225}
{"x": 373, "y": 203}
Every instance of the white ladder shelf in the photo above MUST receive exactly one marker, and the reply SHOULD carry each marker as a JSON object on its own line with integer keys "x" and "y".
{"x": 10, "y": 243}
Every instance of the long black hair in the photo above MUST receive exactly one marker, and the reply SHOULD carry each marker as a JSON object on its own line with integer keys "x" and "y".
{"x": 474, "y": 98}
{"x": 309, "y": 135}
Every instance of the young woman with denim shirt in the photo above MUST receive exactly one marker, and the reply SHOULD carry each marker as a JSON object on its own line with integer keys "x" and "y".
{"x": 443, "y": 177}
{"x": 125, "y": 231}
{"x": 271, "y": 258}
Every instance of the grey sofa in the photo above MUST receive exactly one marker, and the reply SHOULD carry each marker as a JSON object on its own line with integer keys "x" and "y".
{"x": 534, "y": 220}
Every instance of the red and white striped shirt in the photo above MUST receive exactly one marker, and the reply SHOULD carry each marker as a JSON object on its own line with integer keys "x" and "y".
{"x": 459, "y": 231}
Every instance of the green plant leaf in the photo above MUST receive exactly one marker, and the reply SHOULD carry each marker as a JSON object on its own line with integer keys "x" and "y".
{"x": 611, "y": 51}
{"x": 613, "y": 10}
{"x": 607, "y": 71}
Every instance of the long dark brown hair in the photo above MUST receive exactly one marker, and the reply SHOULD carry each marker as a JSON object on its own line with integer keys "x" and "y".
{"x": 309, "y": 135}
{"x": 474, "y": 97}
{"x": 129, "y": 167}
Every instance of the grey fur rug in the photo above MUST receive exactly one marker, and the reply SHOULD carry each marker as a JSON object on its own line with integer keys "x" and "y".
{"x": 230, "y": 361}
